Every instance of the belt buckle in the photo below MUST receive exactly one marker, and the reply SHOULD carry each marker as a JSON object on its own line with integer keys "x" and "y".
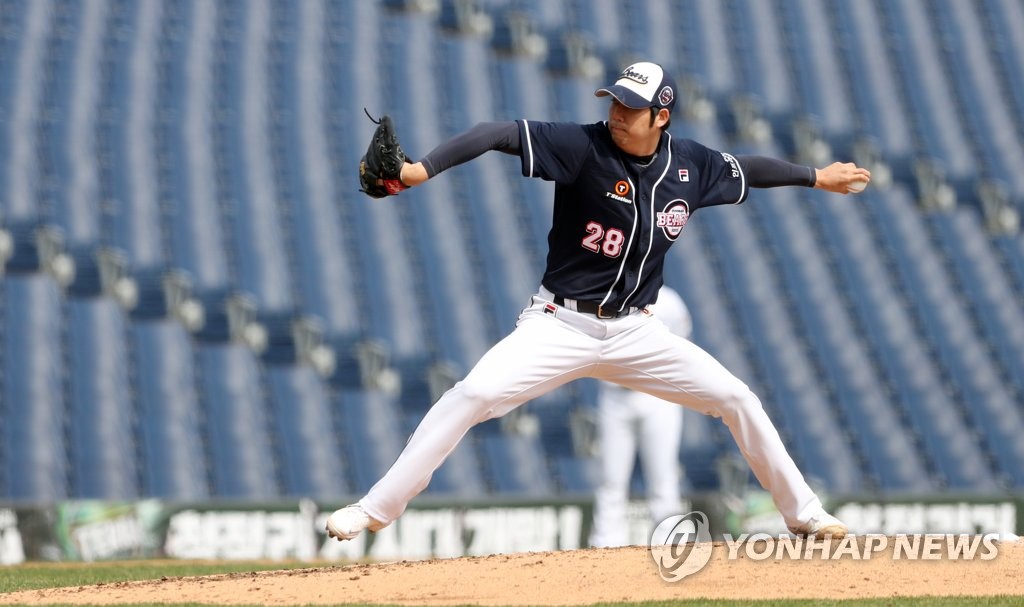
{"x": 604, "y": 316}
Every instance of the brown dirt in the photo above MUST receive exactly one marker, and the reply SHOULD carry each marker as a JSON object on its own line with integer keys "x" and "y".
{"x": 575, "y": 577}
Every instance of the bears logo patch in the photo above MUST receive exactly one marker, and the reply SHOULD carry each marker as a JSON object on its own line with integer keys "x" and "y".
{"x": 673, "y": 218}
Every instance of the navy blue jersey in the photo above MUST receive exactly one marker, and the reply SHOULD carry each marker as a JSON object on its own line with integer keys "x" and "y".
{"x": 615, "y": 218}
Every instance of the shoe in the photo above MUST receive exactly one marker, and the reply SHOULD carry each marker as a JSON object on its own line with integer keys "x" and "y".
{"x": 821, "y": 526}
{"x": 350, "y": 521}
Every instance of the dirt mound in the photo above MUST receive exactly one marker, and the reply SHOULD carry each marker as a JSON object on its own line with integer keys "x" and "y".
{"x": 580, "y": 577}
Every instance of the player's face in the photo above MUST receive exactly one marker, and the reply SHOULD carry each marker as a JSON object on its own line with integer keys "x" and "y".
{"x": 631, "y": 129}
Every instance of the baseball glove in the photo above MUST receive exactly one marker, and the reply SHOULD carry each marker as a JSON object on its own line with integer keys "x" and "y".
{"x": 380, "y": 169}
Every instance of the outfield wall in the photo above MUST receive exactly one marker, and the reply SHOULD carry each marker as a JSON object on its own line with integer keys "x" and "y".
{"x": 95, "y": 531}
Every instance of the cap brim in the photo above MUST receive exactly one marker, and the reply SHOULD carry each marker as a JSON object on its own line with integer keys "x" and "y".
{"x": 625, "y": 96}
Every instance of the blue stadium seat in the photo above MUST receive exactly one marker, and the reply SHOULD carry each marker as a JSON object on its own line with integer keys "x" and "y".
{"x": 648, "y": 23}
{"x": 35, "y": 451}
{"x": 371, "y": 424}
{"x": 129, "y": 180}
{"x": 257, "y": 225}
{"x": 101, "y": 445}
{"x": 705, "y": 50}
{"x": 72, "y": 90}
{"x": 242, "y": 463}
{"x": 173, "y": 460}
{"x": 309, "y": 451}
{"x": 998, "y": 313}
{"x": 458, "y": 331}
{"x": 941, "y": 310}
{"x": 326, "y": 277}
{"x": 905, "y": 368}
{"x": 848, "y": 372}
{"x": 461, "y": 474}
{"x": 497, "y": 232}
{"x": 922, "y": 80}
{"x": 788, "y": 393}
{"x": 20, "y": 173}
{"x": 978, "y": 86}
{"x": 196, "y": 228}
{"x": 814, "y": 61}
{"x": 517, "y": 465}
{"x": 880, "y": 112}
{"x": 1002, "y": 19}
{"x": 762, "y": 62}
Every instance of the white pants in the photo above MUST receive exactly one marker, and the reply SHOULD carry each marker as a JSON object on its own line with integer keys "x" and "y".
{"x": 629, "y": 423}
{"x": 547, "y": 350}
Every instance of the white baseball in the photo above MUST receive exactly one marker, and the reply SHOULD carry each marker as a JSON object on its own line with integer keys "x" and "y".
{"x": 858, "y": 186}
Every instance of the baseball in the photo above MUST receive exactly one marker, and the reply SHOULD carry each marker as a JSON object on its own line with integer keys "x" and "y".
{"x": 855, "y": 187}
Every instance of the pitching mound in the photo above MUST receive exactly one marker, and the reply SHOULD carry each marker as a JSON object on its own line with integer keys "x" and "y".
{"x": 571, "y": 578}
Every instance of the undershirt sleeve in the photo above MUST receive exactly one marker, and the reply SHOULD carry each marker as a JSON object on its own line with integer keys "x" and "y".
{"x": 765, "y": 172}
{"x": 484, "y": 137}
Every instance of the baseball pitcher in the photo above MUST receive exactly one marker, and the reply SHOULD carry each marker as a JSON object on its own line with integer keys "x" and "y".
{"x": 624, "y": 190}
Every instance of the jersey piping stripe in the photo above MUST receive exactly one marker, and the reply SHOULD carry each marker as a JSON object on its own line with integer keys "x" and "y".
{"x": 650, "y": 243}
{"x": 629, "y": 245}
{"x": 529, "y": 146}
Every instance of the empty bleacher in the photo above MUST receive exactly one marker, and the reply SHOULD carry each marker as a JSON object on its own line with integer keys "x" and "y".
{"x": 218, "y": 143}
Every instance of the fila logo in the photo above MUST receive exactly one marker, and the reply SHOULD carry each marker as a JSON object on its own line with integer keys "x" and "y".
{"x": 673, "y": 218}
{"x": 684, "y": 175}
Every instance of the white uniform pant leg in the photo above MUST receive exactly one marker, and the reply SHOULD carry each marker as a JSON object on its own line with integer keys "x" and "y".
{"x": 617, "y": 435}
{"x": 651, "y": 359}
{"x": 661, "y": 431}
{"x": 540, "y": 355}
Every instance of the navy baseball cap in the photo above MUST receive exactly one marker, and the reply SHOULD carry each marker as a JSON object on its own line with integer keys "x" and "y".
{"x": 642, "y": 85}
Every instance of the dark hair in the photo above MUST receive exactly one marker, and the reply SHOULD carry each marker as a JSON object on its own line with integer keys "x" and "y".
{"x": 654, "y": 115}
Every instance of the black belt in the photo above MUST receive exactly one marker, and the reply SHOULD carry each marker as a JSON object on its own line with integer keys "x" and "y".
{"x": 592, "y": 307}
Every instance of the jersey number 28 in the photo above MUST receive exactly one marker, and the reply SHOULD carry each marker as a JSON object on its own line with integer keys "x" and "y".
{"x": 612, "y": 237}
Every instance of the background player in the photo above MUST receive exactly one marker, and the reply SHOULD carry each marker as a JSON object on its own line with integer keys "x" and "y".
{"x": 625, "y": 189}
{"x": 631, "y": 422}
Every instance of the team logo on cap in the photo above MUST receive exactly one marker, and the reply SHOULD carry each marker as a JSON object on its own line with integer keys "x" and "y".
{"x": 633, "y": 75}
{"x": 666, "y": 95}
{"x": 674, "y": 218}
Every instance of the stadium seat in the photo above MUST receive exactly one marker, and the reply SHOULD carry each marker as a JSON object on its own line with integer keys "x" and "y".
{"x": 308, "y": 449}
{"x": 173, "y": 460}
{"x": 371, "y": 424}
{"x": 242, "y": 462}
{"x": 517, "y": 465}
{"x": 35, "y": 451}
{"x": 101, "y": 442}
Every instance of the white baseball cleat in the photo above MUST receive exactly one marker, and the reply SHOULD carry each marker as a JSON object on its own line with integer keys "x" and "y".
{"x": 822, "y": 526}
{"x": 350, "y": 521}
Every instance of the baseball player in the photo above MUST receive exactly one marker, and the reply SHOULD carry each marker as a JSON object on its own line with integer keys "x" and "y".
{"x": 624, "y": 190}
{"x": 631, "y": 422}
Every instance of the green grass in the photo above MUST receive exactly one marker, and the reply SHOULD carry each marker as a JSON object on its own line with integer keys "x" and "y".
{"x": 46, "y": 575}
{"x": 49, "y": 575}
